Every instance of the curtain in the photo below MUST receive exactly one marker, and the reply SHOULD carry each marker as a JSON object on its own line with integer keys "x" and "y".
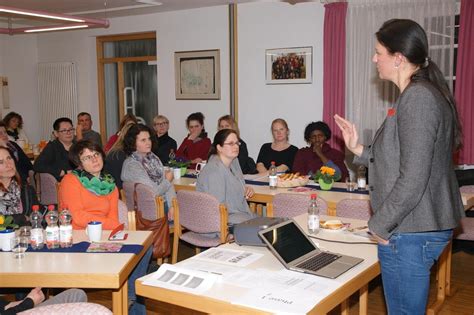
{"x": 367, "y": 97}
{"x": 465, "y": 80}
{"x": 334, "y": 68}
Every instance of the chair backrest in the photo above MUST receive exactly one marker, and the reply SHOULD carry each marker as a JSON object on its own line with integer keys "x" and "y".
{"x": 198, "y": 211}
{"x": 292, "y": 205}
{"x": 151, "y": 205}
{"x": 68, "y": 309}
{"x": 465, "y": 230}
{"x": 469, "y": 189}
{"x": 123, "y": 214}
{"x": 354, "y": 208}
{"x": 47, "y": 188}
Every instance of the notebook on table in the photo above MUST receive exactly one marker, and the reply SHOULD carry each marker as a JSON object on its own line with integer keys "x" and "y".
{"x": 288, "y": 242}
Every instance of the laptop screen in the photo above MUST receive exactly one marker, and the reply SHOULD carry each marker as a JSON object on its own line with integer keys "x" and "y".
{"x": 289, "y": 242}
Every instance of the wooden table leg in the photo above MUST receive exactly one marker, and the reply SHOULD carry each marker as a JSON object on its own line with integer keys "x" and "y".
{"x": 120, "y": 300}
{"x": 449, "y": 289}
{"x": 363, "y": 299}
{"x": 444, "y": 277}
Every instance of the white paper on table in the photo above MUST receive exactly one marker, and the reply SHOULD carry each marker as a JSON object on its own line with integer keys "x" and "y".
{"x": 181, "y": 279}
{"x": 204, "y": 266}
{"x": 231, "y": 257}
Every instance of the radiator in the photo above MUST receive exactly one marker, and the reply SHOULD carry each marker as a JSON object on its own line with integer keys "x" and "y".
{"x": 57, "y": 90}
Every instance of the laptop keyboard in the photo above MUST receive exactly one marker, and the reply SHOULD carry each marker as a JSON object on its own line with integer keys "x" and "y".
{"x": 319, "y": 261}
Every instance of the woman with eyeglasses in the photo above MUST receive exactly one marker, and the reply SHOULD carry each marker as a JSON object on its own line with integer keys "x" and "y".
{"x": 54, "y": 159}
{"x": 310, "y": 159}
{"x": 223, "y": 178}
{"x": 91, "y": 195}
{"x": 164, "y": 143}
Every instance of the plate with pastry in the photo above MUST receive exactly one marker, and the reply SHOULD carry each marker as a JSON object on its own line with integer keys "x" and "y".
{"x": 289, "y": 180}
{"x": 333, "y": 225}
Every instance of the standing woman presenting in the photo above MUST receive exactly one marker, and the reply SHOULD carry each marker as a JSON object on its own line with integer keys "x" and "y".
{"x": 414, "y": 193}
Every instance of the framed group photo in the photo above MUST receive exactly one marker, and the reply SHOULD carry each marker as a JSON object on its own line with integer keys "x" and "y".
{"x": 197, "y": 74}
{"x": 289, "y": 65}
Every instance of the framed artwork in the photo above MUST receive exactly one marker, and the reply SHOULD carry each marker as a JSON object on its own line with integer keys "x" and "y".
{"x": 289, "y": 65}
{"x": 197, "y": 75}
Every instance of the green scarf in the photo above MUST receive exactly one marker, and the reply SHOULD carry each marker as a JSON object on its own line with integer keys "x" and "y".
{"x": 101, "y": 186}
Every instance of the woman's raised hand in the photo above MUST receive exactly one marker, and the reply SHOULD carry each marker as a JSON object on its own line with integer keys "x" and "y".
{"x": 349, "y": 133}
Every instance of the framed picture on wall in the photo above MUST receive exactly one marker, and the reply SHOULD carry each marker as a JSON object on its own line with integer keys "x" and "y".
{"x": 289, "y": 65}
{"x": 197, "y": 75}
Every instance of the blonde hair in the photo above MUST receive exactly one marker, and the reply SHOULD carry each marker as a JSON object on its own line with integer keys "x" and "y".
{"x": 157, "y": 117}
{"x": 118, "y": 145}
{"x": 232, "y": 123}
{"x": 283, "y": 122}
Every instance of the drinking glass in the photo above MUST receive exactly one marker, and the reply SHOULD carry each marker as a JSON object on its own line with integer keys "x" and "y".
{"x": 19, "y": 246}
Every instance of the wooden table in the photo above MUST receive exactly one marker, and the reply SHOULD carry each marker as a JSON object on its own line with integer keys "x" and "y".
{"x": 218, "y": 299}
{"x": 263, "y": 194}
{"x": 76, "y": 270}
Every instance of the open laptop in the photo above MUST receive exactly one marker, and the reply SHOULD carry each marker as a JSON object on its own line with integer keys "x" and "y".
{"x": 294, "y": 249}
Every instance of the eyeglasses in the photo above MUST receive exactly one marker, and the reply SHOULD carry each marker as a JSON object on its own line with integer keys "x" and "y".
{"x": 162, "y": 124}
{"x": 66, "y": 130}
{"x": 232, "y": 143}
{"x": 88, "y": 158}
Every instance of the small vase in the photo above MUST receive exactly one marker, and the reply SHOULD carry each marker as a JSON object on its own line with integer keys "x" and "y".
{"x": 183, "y": 171}
{"x": 324, "y": 185}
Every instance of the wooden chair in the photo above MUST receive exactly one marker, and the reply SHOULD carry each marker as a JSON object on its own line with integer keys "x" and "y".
{"x": 152, "y": 206}
{"x": 68, "y": 309}
{"x": 199, "y": 213}
{"x": 47, "y": 188}
{"x": 354, "y": 208}
{"x": 292, "y": 205}
{"x": 126, "y": 216}
{"x": 468, "y": 189}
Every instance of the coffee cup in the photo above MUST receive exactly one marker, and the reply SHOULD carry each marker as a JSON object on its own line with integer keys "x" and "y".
{"x": 94, "y": 231}
{"x": 176, "y": 173}
{"x": 200, "y": 166}
{"x": 5, "y": 239}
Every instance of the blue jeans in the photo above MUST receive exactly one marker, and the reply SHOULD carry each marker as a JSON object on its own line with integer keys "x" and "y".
{"x": 138, "y": 303}
{"x": 406, "y": 262}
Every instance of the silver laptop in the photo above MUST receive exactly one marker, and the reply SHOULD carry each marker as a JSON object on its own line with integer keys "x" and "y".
{"x": 294, "y": 249}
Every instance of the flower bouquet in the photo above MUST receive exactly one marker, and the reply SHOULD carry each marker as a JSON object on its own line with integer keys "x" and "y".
{"x": 179, "y": 163}
{"x": 326, "y": 176}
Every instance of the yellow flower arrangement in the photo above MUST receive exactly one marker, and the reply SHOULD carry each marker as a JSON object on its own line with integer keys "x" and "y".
{"x": 327, "y": 174}
{"x": 6, "y": 222}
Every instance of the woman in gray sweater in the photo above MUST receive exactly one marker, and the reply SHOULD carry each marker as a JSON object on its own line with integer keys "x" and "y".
{"x": 222, "y": 177}
{"x": 144, "y": 167}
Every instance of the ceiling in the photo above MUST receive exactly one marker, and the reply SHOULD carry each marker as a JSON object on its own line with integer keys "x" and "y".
{"x": 113, "y": 8}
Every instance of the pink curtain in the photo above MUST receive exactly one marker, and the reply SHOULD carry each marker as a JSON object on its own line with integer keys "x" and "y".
{"x": 334, "y": 68}
{"x": 464, "y": 93}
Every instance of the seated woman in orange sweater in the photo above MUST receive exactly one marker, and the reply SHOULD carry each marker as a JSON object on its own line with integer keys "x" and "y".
{"x": 91, "y": 195}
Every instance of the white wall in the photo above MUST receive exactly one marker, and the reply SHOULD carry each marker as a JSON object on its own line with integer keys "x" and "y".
{"x": 277, "y": 25}
{"x": 260, "y": 26}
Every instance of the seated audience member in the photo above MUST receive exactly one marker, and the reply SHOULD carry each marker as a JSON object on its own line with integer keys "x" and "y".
{"x": 143, "y": 166}
{"x": 36, "y": 299}
{"x": 116, "y": 156}
{"x": 195, "y": 147}
{"x": 126, "y": 119}
{"x": 84, "y": 129}
{"x": 247, "y": 164}
{"x": 223, "y": 178}
{"x": 14, "y": 124}
{"x": 54, "y": 157}
{"x": 22, "y": 162}
{"x": 91, "y": 195}
{"x": 280, "y": 150}
{"x": 308, "y": 160}
{"x": 164, "y": 143}
{"x": 16, "y": 198}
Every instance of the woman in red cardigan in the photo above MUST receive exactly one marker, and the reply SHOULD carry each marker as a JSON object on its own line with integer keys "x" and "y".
{"x": 195, "y": 147}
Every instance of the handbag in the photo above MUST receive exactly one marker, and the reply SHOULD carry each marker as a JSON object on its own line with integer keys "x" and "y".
{"x": 159, "y": 228}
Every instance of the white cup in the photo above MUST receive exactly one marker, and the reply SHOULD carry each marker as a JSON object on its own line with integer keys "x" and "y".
{"x": 5, "y": 240}
{"x": 94, "y": 231}
{"x": 200, "y": 166}
{"x": 176, "y": 173}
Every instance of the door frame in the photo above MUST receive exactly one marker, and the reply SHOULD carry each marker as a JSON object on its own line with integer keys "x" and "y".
{"x": 101, "y": 61}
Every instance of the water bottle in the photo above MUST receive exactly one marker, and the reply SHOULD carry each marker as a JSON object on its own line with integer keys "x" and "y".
{"x": 65, "y": 228}
{"x": 52, "y": 229}
{"x": 272, "y": 176}
{"x": 361, "y": 179}
{"x": 37, "y": 232}
{"x": 313, "y": 215}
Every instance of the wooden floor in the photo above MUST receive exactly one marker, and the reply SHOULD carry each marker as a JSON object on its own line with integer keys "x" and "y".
{"x": 461, "y": 303}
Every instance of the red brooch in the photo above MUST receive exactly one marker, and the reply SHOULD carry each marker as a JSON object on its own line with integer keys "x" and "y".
{"x": 391, "y": 112}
